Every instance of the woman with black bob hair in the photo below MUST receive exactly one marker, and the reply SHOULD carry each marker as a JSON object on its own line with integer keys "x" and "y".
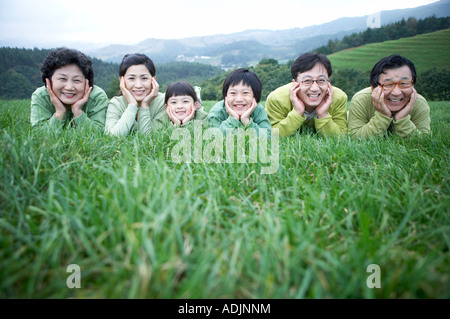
{"x": 69, "y": 94}
{"x": 140, "y": 105}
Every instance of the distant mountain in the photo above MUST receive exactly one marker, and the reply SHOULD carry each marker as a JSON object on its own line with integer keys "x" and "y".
{"x": 253, "y": 45}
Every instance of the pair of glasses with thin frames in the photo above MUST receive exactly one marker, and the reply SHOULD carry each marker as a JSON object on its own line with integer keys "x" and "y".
{"x": 389, "y": 86}
{"x": 309, "y": 82}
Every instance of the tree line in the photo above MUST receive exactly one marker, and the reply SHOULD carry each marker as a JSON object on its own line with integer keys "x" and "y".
{"x": 20, "y": 71}
{"x": 402, "y": 29}
{"x": 271, "y": 73}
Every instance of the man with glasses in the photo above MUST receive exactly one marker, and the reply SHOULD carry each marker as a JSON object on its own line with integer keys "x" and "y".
{"x": 310, "y": 102}
{"x": 391, "y": 105}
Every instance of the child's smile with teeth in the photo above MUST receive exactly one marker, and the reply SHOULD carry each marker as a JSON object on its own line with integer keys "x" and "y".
{"x": 239, "y": 106}
{"x": 181, "y": 106}
{"x": 240, "y": 98}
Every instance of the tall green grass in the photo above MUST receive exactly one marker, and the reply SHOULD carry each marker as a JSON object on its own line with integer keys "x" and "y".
{"x": 427, "y": 51}
{"x": 141, "y": 226}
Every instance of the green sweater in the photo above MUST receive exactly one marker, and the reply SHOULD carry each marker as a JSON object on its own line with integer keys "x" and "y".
{"x": 43, "y": 110}
{"x": 219, "y": 118}
{"x": 283, "y": 116}
{"x": 121, "y": 116}
{"x": 365, "y": 121}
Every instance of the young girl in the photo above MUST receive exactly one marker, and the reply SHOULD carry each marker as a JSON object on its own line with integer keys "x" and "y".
{"x": 240, "y": 107}
{"x": 69, "y": 94}
{"x": 182, "y": 104}
{"x": 140, "y": 105}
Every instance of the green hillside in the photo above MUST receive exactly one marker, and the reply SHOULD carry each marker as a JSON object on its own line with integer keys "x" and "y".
{"x": 431, "y": 50}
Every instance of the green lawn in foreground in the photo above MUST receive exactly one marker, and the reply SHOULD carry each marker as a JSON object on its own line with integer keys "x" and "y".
{"x": 141, "y": 226}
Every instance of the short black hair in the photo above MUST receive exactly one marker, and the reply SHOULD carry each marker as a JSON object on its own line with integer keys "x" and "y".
{"x": 136, "y": 59}
{"x": 307, "y": 61}
{"x": 245, "y": 76}
{"x": 63, "y": 56}
{"x": 393, "y": 61}
{"x": 180, "y": 88}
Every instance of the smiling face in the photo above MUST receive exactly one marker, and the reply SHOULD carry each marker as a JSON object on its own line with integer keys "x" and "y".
{"x": 181, "y": 106}
{"x": 240, "y": 98}
{"x": 313, "y": 95}
{"x": 68, "y": 84}
{"x": 138, "y": 81}
{"x": 397, "y": 98}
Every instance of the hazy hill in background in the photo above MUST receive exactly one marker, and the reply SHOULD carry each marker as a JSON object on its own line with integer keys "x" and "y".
{"x": 250, "y": 46}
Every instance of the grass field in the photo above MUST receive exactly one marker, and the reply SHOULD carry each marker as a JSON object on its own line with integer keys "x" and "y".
{"x": 427, "y": 51}
{"x": 141, "y": 226}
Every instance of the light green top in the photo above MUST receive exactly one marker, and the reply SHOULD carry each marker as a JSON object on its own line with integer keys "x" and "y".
{"x": 43, "y": 110}
{"x": 219, "y": 118}
{"x": 121, "y": 116}
{"x": 283, "y": 116}
{"x": 199, "y": 116}
{"x": 365, "y": 121}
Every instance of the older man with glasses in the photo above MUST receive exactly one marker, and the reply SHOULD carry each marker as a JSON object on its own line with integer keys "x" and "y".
{"x": 391, "y": 104}
{"x": 310, "y": 102}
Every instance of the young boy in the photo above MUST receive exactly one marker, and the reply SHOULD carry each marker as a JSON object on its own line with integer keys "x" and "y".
{"x": 240, "y": 107}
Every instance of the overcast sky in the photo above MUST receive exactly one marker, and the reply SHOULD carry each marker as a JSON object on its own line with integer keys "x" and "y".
{"x": 37, "y": 23}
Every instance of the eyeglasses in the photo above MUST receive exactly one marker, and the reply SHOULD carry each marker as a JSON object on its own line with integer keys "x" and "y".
{"x": 309, "y": 82}
{"x": 389, "y": 86}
